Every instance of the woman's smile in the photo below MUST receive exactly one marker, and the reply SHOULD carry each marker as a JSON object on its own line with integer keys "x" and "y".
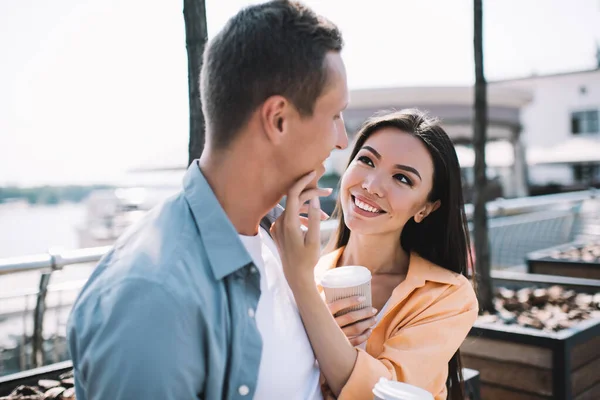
{"x": 364, "y": 207}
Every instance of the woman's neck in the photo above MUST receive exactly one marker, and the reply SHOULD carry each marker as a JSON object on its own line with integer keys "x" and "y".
{"x": 381, "y": 254}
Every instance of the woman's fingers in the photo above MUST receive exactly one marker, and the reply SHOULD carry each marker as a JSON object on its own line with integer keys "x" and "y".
{"x": 360, "y": 339}
{"x": 358, "y": 328}
{"x": 313, "y": 233}
{"x": 311, "y": 193}
{"x": 304, "y": 210}
{"x": 355, "y": 316}
{"x": 293, "y": 203}
{"x": 342, "y": 304}
{"x": 304, "y": 221}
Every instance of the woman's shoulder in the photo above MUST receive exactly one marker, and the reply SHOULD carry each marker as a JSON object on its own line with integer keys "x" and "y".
{"x": 430, "y": 271}
{"x": 432, "y": 274}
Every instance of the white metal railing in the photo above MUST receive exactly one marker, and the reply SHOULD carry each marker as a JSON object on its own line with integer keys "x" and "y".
{"x": 46, "y": 264}
{"x": 51, "y": 261}
{"x": 525, "y": 205}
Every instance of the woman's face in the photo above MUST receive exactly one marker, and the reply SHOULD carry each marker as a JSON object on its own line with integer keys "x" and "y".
{"x": 387, "y": 183}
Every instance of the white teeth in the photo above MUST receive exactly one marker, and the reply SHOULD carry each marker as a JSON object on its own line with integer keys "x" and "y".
{"x": 364, "y": 206}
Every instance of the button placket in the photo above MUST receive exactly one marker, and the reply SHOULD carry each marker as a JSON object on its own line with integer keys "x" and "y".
{"x": 243, "y": 390}
{"x": 246, "y": 331}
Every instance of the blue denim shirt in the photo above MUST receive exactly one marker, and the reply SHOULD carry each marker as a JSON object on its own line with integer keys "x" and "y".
{"x": 168, "y": 313}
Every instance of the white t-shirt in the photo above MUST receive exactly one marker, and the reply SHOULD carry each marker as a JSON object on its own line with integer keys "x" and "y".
{"x": 288, "y": 369}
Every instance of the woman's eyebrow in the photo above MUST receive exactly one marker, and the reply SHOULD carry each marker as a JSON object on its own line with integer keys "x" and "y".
{"x": 397, "y": 166}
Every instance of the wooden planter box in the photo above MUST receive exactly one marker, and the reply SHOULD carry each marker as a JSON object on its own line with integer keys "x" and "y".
{"x": 541, "y": 262}
{"x": 31, "y": 377}
{"x": 528, "y": 364}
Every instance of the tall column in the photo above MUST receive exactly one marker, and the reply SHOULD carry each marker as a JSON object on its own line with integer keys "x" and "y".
{"x": 520, "y": 167}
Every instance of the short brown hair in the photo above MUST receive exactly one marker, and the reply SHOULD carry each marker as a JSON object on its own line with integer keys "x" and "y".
{"x": 274, "y": 48}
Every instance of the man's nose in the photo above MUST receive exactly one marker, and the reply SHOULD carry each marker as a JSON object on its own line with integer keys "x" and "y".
{"x": 342, "y": 135}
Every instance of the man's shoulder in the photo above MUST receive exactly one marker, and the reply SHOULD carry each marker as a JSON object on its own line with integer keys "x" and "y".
{"x": 157, "y": 251}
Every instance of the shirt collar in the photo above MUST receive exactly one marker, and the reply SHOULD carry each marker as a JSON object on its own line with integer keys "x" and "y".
{"x": 419, "y": 270}
{"x": 225, "y": 251}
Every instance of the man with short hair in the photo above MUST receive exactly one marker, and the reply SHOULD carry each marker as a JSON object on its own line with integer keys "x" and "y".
{"x": 192, "y": 302}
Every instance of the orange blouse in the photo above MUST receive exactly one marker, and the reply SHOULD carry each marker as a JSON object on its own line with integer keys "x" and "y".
{"x": 428, "y": 316}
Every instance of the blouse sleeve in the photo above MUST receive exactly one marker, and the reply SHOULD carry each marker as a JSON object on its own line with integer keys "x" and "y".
{"x": 419, "y": 352}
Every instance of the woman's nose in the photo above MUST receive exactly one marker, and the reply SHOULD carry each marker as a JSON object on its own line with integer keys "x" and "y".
{"x": 373, "y": 185}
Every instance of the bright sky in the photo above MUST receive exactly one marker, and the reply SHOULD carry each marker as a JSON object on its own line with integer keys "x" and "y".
{"x": 91, "y": 88}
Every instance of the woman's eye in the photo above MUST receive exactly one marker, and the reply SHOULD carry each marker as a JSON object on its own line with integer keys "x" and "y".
{"x": 366, "y": 160}
{"x": 403, "y": 178}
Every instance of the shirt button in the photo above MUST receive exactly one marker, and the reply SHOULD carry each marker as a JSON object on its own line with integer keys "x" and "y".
{"x": 251, "y": 312}
{"x": 244, "y": 390}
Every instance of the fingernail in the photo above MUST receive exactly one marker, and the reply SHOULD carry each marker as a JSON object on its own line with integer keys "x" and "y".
{"x": 361, "y": 299}
{"x": 374, "y": 311}
{"x": 315, "y": 203}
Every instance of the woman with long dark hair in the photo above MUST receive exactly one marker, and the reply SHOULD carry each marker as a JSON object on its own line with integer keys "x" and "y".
{"x": 401, "y": 215}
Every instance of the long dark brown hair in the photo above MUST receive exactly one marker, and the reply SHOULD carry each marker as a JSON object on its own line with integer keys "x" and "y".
{"x": 442, "y": 237}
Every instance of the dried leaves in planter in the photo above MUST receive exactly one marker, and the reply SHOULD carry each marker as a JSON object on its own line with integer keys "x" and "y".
{"x": 46, "y": 389}
{"x": 587, "y": 253}
{"x": 551, "y": 309}
{"x": 24, "y": 393}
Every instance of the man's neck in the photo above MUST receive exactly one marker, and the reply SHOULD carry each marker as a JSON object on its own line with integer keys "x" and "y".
{"x": 244, "y": 186}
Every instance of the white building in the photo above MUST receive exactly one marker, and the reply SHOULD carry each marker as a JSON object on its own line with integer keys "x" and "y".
{"x": 542, "y": 129}
{"x": 560, "y": 126}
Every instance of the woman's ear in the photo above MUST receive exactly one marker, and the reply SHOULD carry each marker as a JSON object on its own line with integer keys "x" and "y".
{"x": 273, "y": 118}
{"x": 426, "y": 210}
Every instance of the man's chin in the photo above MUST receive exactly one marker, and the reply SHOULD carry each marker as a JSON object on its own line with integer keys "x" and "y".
{"x": 320, "y": 171}
{"x": 314, "y": 183}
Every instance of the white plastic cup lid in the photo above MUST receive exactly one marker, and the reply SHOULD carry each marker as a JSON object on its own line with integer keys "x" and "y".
{"x": 393, "y": 390}
{"x": 348, "y": 276}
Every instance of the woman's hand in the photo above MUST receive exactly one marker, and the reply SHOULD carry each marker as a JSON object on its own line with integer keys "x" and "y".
{"x": 356, "y": 325}
{"x": 300, "y": 248}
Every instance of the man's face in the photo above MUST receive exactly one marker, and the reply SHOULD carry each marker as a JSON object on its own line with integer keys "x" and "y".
{"x": 311, "y": 139}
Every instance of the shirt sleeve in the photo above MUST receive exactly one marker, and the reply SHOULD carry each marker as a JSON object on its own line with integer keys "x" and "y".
{"x": 136, "y": 341}
{"x": 419, "y": 352}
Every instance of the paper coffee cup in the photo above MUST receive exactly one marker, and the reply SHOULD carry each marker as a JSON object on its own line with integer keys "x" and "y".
{"x": 339, "y": 283}
{"x": 392, "y": 390}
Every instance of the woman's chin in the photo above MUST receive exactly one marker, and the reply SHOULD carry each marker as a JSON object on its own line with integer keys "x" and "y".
{"x": 366, "y": 226}
{"x": 359, "y": 226}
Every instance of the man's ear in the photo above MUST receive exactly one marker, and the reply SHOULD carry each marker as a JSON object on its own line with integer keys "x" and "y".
{"x": 273, "y": 116}
{"x": 426, "y": 210}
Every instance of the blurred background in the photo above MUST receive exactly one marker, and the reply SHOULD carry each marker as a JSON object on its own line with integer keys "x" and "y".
{"x": 94, "y": 113}
{"x": 94, "y": 94}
